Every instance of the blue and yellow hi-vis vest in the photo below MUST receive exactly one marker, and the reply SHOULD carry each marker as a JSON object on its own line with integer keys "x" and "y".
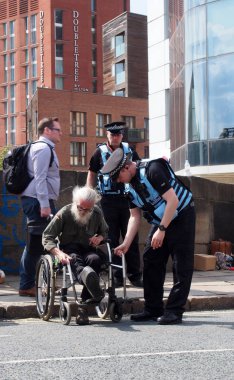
{"x": 144, "y": 195}
{"x": 105, "y": 185}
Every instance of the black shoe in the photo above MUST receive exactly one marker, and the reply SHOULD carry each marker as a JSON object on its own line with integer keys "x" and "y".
{"x": 82, "y": 318}
{"x": 118, "y": 282}
{"x": 144, "y": 316}
{"x": 137, "y": 283}
{"x": 169, "y": 318}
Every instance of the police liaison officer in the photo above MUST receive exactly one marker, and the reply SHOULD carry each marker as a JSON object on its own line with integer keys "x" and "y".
{"x": 114, "y": 204}
{"x": 168, "y": 205}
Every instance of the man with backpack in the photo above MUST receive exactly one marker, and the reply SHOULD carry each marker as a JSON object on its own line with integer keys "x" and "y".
{"x": 168, "y": 205}
{"x": 38, "y": 198}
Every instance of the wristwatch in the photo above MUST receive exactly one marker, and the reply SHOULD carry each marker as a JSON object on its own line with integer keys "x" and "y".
{"x": 162, "y": 228}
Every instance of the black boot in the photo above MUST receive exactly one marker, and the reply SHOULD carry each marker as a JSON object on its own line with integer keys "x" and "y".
{"x": 145, "y": 316}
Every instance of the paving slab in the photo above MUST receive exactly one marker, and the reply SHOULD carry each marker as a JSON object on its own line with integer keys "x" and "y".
{"x": 210, "y": 290}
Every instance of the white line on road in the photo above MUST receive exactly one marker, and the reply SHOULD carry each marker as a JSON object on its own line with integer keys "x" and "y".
{"x": 143, "y": 354}
{"x": 4, "y": 336}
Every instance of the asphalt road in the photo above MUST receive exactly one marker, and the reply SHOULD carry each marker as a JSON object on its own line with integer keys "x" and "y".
{"x": 201, "y": 348}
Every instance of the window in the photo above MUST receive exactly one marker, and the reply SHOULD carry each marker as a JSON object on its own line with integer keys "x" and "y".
{"x": 26, "y": 55}
{"x": 26, "y": 72}
{"x": 34, "y": 62}
{"x": 4, "y": 28}
{"x": 101, "y": 120}
{"x": 33, "y": 29}
{"x": 34, "y": 86}
{"x": 120, "y": 72}
{"x": 6, "y": 131}
{"x": 94, "y": 70}
{"x": 13, "y": 122}
{"x": 94, "y": 86}
{"x": 78, "y": 154}
{"x": 12, "y": 34}
{"x": 146, "y": 152}
{"x": 12, "y": 99}
{"x": 6, "y": 108}
{"x": 130, "y": 121}
{"x": 5, "y": 68}
{"x": 12, "y": 67}
{"x": 119, "y": 44}
{"x": 26, "y": 30}
{"x": 5, "y": 44}
{"x": 58, "y": 24}
{"x": 146, "y": 127}
{"x": 27, "y": 93}
{"x": 5, "y": 92}
{"x": 93, "y": 5}
{"x": 120, "y": 92}
{"x": 78, "y": 123}
{"x": 59, "y": 59}
{"x": 59, "y": 83}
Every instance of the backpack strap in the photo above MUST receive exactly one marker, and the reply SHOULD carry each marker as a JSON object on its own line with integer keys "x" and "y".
{"x": 51, "y": 150}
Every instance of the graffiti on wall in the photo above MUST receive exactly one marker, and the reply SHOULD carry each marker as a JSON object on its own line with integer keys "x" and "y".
{"x": 12, "y": 227}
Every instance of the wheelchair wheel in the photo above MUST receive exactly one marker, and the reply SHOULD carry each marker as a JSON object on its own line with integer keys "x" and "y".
{"x": 102, "y": 309}
{"x": 65, "y": 313}
{"x": 45, "y": 287}
{"x": 116, "y": 311}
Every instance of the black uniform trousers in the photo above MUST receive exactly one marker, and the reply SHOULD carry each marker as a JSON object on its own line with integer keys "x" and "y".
{"x": 179, "y": 243}
{"x": 116, "y": 213}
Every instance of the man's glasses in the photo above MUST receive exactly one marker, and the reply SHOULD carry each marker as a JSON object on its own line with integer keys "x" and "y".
{"x": 55, "y": 129}
{"x": 79, "y": 208}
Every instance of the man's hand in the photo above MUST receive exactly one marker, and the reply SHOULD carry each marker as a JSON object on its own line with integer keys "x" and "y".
{"x": 121, "y": 249}
{"x": 95, "y": 240}
{"x": 62, "y": 257}
{"x": 157, "y": 239}
{"x": 45, "y": 212}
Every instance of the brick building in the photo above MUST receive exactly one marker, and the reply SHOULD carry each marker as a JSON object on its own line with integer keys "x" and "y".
{"x": 82, "y": 117}
{"x": 77, "y": 47}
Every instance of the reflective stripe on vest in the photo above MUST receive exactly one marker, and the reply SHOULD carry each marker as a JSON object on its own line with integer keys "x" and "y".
{"x": 152, "y": 197}
{"x": 105, "y": 185}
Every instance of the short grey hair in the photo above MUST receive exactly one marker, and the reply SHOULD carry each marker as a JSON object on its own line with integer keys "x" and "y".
{"x": 85, "y": 193}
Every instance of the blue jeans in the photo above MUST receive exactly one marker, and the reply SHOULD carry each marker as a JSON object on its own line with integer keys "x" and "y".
{"x": 34, "y": 249}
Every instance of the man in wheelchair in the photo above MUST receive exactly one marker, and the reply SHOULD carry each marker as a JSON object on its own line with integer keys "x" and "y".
{"x": 73, "y": 235}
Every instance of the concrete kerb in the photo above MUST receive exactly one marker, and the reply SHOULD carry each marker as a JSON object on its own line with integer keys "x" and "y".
{"x": 23, "y": 311}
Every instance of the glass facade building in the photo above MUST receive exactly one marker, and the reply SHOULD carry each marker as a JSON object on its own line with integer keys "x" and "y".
{"x": 201, "y": 93}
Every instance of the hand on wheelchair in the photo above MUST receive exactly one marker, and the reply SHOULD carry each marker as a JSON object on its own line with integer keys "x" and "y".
{"x": 95, "y": 240}
{"x": 61, "y": 256}
{"x": 121, "y": 249}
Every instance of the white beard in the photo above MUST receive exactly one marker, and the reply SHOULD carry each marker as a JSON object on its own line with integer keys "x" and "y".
{"x": 79, "y": 218}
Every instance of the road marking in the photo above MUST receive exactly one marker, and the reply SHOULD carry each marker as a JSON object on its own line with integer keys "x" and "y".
{"x": 142, "y": 354}
{"x": 4, "y": 336}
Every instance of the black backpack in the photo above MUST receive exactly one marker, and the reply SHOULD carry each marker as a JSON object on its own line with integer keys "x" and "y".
{"x": 15, "y": 170}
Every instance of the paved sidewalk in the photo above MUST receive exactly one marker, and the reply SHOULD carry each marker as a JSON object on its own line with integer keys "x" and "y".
{"x": 211, "y": 290}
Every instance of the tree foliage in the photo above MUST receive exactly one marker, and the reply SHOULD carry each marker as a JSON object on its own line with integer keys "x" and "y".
{"x": 3, "y": 152}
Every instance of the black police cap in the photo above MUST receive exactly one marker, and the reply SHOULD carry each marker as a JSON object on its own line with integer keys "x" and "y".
{"x": 115, "y": 127}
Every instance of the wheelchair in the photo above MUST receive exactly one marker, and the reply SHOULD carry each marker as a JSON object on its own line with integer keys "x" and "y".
{"x": 49, "y": 271}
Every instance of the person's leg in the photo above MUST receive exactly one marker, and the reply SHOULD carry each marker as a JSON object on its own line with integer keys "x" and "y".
{"x": 132, "y": 256}
{"x": 154, "y": 271}
{"x": 181, "y": 235}
{"x": 111, "y": 210}
{"x": 34, "y": 248}
{"x": 86, "y": 267}
{"x": 181, "y": 243}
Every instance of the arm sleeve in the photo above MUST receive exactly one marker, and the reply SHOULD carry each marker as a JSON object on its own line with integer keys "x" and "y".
{"x": 41, "y": 161}
{"x": 159, "y": 177}
{"x": 95, "y": 163}
{"x": 52, "y": 232}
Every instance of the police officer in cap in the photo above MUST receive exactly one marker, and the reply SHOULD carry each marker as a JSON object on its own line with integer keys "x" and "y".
{"x": 114, "y": 203}
{"x": 168, "y": 205}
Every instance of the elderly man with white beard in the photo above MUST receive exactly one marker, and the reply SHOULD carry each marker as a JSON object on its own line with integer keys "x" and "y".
{"x": 79, "y": 227}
